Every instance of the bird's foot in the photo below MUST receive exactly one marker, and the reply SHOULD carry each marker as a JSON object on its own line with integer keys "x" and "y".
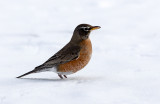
{"x": 65, "y": 76}
{"x": 60, "y": 76}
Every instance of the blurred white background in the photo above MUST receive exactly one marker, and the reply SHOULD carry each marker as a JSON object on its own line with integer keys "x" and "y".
{"x": 124, "y": 68}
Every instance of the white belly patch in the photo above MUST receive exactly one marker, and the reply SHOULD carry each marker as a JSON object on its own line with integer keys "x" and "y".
{"x": 54, "y": 69}
{"x": 65, "y": 73}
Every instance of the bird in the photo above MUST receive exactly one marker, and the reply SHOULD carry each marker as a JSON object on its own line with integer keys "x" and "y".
{"x": 74, "y": 56}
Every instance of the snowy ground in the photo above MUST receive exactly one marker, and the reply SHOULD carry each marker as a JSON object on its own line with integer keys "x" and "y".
{"x": 124, "y": 68}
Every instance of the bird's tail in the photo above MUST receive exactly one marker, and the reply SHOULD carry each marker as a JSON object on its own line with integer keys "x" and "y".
{"x": 33, "y": 71}
{"x": 37, "y": 69}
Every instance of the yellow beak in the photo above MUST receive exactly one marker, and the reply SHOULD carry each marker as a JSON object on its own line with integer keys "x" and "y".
{"x": 95, "y": 28}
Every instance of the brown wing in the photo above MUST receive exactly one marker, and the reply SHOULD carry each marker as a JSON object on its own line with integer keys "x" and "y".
{"x": 66, "y": 54}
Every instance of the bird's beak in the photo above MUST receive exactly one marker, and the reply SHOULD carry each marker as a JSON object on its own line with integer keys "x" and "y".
{"x": 95, "y": 27}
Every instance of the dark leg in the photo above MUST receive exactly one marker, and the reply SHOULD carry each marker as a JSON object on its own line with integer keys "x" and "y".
{"x": 65, "y": 76}
{"x": 60, "y": 76}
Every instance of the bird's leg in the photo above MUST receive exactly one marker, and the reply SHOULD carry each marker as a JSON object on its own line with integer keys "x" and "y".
{"x": 60, "y": 76}
{"x": 65, "y": 76}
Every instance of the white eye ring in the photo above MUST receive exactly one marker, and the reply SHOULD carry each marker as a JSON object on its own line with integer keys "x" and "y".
{"x": 86, "y": 28}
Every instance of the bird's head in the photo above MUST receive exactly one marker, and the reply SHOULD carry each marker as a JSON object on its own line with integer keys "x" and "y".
{"x": 82, "y": 32}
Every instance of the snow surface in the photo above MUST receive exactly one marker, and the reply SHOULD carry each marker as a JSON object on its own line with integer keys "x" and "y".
{"x": 125, "y": 65}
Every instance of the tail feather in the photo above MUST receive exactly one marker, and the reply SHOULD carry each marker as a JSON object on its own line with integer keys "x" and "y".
{"x": 33, "y": 71}
{"x": 37, "y": 69}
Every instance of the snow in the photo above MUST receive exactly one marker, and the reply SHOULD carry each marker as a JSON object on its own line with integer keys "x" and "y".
{"x": 124, "y": 68}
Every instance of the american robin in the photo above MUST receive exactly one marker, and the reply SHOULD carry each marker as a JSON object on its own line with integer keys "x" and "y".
{"x": 72, "y": 57}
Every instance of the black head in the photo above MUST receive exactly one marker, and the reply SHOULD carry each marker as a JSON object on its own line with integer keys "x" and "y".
{"x": 82, "y": 31}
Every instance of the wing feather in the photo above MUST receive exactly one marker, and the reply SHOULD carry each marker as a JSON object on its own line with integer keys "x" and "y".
{"x": 66, "y": 54}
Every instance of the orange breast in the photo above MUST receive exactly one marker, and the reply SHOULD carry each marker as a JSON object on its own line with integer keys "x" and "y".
{"x": 81, "y": 62}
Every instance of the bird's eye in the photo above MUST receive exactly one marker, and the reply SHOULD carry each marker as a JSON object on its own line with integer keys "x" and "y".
{"x": 86, "y": 28}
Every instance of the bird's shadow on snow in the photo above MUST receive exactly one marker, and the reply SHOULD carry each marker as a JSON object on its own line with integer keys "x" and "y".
{"x": 43, "y": 79}
{"x": 79, "y": 79}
